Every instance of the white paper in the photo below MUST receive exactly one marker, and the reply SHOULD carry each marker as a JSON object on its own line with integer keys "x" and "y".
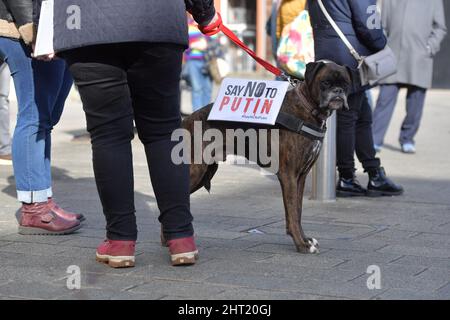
{"x": 44, "y": 40}
{"x": 254, "y": 101}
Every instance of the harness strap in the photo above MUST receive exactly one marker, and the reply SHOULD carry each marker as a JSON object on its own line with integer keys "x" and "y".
{"x": 297, "y": 125}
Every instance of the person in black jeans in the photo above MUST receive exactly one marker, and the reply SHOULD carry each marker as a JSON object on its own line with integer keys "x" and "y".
{"x": 129, "y": 69}
{"x": 119, "y": 83}
{"x": 354, "y": 127}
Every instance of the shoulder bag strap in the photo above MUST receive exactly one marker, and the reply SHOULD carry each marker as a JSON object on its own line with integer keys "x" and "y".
{"x": 354, "y": 53}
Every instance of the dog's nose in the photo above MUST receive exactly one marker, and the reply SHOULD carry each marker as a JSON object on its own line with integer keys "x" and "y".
{"x": 338, "y": 91}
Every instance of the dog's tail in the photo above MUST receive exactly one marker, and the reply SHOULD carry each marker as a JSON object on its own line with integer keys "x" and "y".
{"x": 206, "y": 179}
{"x": 209, "y": 175}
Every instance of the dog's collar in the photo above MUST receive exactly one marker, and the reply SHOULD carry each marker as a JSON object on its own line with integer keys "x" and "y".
{"x": 310, "y": 105}
{"x": 297, "y": 125}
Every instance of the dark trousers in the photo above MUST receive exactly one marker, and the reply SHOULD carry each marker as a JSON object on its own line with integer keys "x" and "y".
{"x": 119, "y": 83}
{"x": 354, "y": 133}
{"x": 415, "y": 100}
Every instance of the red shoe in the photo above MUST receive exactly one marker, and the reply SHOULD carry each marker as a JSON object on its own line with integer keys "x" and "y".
{"x": 183, "y": 251}
{"x": 40, "y": 219}
{"x": 116, "y": 253}
{"x": 63, "y": 213}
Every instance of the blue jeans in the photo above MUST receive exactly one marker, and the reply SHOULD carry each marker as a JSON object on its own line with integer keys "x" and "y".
{"x": 41, "y": 89}
{"x": 5, "y": 136}
{"x": 201, "y": 83}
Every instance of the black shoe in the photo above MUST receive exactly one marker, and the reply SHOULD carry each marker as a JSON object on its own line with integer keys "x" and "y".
{"x": 380, "y": 185}
{"x": 349, "y": 188}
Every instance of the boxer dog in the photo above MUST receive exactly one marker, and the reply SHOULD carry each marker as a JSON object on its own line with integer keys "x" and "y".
{"x": 312, "y": 101}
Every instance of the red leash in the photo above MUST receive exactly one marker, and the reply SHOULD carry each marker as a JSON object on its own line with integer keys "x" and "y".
{"x": 218, "y": 26}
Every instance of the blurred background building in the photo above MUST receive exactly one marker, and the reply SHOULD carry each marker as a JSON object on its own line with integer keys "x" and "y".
{"x": 247, "y": 18}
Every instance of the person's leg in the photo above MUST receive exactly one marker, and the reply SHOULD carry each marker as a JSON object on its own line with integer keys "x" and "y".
{"x": 154, "y": 83}
{"x": 102, "y": 83}
{"x": 348, "y": 185}
{"x": 364, "y": 147}
{"x": 28, "y": 147}
{"x": 37, "y": 217}
{"x": 56, "y": 76}
{"x": 345, "y": 138}
{"x": 52, "y": 87}
{"x": 5, "y": 136}
{"x": 379, "y": 184}
{"x": 415, "y": 101}
{"x": 194, "y": 69}
{"x": 383, "y": 111}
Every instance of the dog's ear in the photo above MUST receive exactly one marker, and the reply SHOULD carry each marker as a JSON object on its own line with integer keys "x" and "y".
{"x": 312, "y": 69}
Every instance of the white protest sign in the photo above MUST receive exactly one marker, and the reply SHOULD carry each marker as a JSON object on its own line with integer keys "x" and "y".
{"x": 254, "y": 101}
{"x": 44, "y": 39}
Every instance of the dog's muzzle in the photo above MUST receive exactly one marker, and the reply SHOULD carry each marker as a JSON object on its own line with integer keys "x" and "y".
{"x": 337, "y": 102}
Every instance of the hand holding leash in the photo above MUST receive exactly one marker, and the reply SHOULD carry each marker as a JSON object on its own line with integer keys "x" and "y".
{"x": 213, "y": 27}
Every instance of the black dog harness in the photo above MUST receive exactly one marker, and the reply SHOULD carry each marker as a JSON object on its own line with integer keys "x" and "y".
{"x": 299, "y": 126}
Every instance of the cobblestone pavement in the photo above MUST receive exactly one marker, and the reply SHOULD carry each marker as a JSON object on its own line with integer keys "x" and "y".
{"x": 407, "y": 237}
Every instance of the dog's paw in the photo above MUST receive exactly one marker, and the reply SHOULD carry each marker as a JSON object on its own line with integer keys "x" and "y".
{"x": 313, "y": 245}
{"x": 313, "y": 242}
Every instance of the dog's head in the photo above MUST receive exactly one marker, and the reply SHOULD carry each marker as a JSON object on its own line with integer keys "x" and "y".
{"x": 329, "y": 84}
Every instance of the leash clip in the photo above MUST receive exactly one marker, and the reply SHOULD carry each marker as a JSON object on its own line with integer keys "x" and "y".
{"x": 292, "y": 81}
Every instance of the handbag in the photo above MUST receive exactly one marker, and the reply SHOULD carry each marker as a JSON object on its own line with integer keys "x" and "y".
{"x": 296, "y": 46}
{"x": 373, "y": 68}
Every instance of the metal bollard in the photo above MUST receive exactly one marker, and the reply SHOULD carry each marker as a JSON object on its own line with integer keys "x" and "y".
{"x": 324, "y": 171}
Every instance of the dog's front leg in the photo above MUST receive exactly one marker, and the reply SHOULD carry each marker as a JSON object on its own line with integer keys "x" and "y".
{"x": 291, "y": 188}
{"x": 313, "y": 243}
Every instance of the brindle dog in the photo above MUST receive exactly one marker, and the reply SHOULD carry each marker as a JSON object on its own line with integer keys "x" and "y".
{"x": 324, "y": 90}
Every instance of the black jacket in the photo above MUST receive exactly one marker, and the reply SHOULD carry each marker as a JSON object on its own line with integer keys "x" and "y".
{"x": 352, "y": 16}
{"x": 16, "y": 19}
{"x": 115, "y": 21}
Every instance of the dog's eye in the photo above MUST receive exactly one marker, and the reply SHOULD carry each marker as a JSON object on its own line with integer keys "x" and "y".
{"x": 326, "y": 84}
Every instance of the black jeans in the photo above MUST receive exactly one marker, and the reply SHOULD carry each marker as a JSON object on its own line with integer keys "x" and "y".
{"x": 354, "y": 133}
{"x": 119, "y": 83}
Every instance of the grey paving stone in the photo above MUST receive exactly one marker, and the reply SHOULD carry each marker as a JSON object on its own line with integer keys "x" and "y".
{"x": 365, "y": 245}
{"x": 252, "y": 294}
{"x": 31, "y": 273}
{"x": 105, "y": 281}
{"x": 404, "y": 294}
{"x": 180, "y": 288}
{"x": 417, "y": 250}
{"x": 217, "y": 233}
{"x": 255, "y": 282}
{"x": 34, "y": 290}
{"x": 17, "y": 238}
{"x": 404, "y": 278}
{"x": 391, "y": 235}
{"x": 444, "y": 292}
{"x": 241, "y": 243}
{"x": 347, "y": 290}
{"x": 174, "y": 297}
{"x": 4, "y": 243}
{"x": 360, "y": 257}
{"x": 32, "y": 249}
{"x": 423, "y": 261}
{"x": 307, "y": 260}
